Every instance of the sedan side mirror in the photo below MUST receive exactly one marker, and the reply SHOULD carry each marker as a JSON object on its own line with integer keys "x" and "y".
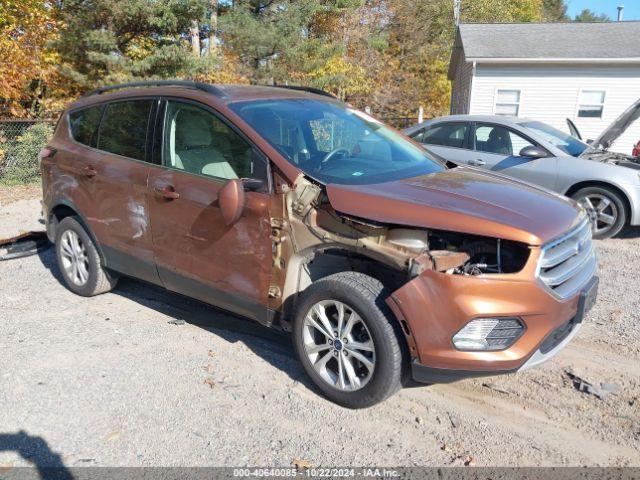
{"x": 533, "y": 152}
{"x": 231, "y": 200}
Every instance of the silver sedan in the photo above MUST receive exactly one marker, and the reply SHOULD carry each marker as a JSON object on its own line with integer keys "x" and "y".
{"x": 605, "y": 183}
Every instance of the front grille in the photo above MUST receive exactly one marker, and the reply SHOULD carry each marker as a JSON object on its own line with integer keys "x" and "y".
{"x": 568, "y": 263}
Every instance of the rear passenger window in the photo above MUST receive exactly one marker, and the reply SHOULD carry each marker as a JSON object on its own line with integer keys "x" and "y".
{"x": 447, "y": 135}
{"x": 123, "y": 130}
{"x": 84, "y": 125}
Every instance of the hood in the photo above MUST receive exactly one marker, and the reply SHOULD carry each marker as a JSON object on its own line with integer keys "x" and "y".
{"x": 462, "y": 200}
{"x": 617, "y": 128}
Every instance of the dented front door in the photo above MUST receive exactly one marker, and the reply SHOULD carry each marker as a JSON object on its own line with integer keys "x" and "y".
{"x": 197, "y": 252}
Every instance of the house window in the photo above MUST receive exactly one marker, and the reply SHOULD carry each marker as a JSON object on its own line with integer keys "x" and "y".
{"x": 507, "y": 102}
{"x": 591, "y": 104}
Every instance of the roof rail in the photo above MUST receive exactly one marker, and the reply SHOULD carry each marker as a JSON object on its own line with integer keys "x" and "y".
{"x": 317, "y": 91}
{"x": 205, "y": 87}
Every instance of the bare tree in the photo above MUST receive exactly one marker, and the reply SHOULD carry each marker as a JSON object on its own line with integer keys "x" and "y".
{"x": 194, "y": 33}
{"x": 213, "y": 48}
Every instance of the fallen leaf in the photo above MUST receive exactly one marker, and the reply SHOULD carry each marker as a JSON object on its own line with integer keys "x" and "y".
{"x": 301, "y": 464}
{"x": 211, "y": 353}
{"x": 210, "y": 382}
{"x": 208, "y": 368}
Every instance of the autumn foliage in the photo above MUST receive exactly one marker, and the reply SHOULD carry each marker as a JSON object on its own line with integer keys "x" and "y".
{"x": 390, "y": 55}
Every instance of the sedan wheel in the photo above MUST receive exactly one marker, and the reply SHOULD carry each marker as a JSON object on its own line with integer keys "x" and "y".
{"x": 338, "y": 345}
{"x": 605, "y": 209}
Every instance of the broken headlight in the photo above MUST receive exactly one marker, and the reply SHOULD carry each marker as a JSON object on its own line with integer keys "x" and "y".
{"x": 488, "y": 334}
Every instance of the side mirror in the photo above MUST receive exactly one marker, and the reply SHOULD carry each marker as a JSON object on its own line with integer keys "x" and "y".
{"x": 231, "y": 201}
{"x": 533, "y": 152}
{"x": 252, "y": 184}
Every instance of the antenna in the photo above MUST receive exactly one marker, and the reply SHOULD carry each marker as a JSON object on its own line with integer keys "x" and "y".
{"x": 620, "y": 9}
{"x": 456, "y": 11}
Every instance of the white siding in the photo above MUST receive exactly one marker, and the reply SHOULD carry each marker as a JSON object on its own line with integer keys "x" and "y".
{"x": 551, "y": 94}
{"x": 461, "y": 88}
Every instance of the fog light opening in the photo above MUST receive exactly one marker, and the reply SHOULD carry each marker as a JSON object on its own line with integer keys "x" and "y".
{"x": 488, "y": 334}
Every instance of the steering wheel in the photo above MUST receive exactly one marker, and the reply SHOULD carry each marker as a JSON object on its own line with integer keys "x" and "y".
{"x": 332, "y": 154}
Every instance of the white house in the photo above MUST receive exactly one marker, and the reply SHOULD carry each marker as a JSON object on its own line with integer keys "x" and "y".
{"x": 588, "y": 72}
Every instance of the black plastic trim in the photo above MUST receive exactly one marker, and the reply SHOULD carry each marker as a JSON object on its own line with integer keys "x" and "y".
{"x": 205, "y": 87}
{"x": 424, "y": 374}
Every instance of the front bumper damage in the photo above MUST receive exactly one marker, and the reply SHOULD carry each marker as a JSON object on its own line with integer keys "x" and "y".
{"x": 434, "y": 306}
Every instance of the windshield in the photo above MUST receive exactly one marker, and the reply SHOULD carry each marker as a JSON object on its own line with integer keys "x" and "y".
{"x": 334, "y": 143}
{"x": 565, "y": 142}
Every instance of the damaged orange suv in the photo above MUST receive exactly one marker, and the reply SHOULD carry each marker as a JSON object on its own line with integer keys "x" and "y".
{"x": 287, "y": 206}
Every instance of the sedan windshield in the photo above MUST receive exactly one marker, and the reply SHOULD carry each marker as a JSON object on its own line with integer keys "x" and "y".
{"x": 565, "y": 142}
{"x": 334, "y": 143}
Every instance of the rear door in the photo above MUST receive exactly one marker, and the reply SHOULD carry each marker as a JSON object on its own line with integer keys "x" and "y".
{"x": 196, "y": 252}
{"x": 119, "y": 169}
{"x": 449, "y": 140}
{"x": 497, "y": 147}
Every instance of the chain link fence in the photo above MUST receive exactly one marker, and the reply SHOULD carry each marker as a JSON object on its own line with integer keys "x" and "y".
{"x": 20, "y": 143}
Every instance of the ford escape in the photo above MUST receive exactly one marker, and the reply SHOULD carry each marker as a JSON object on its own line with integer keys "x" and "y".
{"x": 287, "y": 206}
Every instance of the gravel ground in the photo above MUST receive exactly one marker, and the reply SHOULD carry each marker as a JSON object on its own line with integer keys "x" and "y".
{"x": 109, "y": 381}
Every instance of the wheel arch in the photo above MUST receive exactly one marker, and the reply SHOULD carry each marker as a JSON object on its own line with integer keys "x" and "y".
{"x": 314, "y": 263}
{"x": 628, "y": 206}
{"x": 63, "y": 209}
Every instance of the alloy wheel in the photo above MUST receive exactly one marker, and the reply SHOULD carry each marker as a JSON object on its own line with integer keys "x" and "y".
{"x": 339, "y": 346}
{"x": 75, "y": 261}
{"x": 602, "y": 212}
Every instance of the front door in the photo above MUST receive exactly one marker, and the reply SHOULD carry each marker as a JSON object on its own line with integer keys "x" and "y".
{"x": 497, "y": 148}
{"x": 196, "y": 252}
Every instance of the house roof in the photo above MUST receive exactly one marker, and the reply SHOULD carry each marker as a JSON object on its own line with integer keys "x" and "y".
{"x": 552, "y": 42}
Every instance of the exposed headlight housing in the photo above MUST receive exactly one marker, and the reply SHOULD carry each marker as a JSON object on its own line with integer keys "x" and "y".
{"x": 488, "y": 334}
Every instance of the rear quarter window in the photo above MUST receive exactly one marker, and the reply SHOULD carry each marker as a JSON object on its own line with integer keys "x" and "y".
{"x": 84, "y": 125}
{"x": 123, "y": 129}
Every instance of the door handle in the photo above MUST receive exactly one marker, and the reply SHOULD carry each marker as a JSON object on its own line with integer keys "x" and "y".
{"x": 477, "y": 163}
{"x": 89, "y": 171}
{"x": 168, "y": 192}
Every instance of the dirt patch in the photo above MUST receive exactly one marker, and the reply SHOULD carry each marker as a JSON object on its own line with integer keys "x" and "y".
{"x": 10, "y": 194}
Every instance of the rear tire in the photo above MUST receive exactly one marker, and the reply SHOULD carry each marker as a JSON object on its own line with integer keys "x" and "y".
{"x": 368, "y": 338}
{"x": 79, "y": 261}
{"x": 606, "y": 209}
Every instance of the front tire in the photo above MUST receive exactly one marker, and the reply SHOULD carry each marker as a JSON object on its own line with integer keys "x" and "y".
{"x": 79, "y": 261}
{"x": 347, "y": 340}
{"x": 606, "y": 210}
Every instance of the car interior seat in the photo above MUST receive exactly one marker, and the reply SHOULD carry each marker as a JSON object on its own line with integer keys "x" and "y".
{"x": 194, "y": 149}
{"x": 499, "y": 142}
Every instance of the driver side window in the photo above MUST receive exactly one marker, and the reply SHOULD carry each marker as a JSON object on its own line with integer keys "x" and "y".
{"x": 499, "y": 140}
{"x": 196, "y": 141}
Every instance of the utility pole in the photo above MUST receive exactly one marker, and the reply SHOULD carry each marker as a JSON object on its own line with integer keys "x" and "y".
{"x": 456, "y": 11}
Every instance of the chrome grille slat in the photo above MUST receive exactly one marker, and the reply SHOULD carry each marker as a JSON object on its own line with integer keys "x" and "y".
{"x": 564, "y": 250}
{"x": 565, "y": 270}
{"x": 567, "y": 264}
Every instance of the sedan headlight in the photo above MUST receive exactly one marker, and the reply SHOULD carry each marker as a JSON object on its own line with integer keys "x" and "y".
{"x": 488, "y": 334}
